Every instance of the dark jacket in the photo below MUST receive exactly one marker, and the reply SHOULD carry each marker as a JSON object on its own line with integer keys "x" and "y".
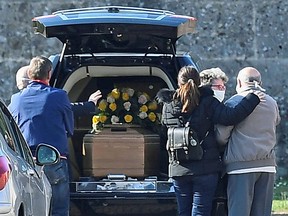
{"x": 209, "y": 112}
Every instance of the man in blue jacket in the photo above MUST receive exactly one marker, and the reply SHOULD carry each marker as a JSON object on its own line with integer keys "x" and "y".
{"x": 79, "y": 108}
{"x": 44, "y": 115}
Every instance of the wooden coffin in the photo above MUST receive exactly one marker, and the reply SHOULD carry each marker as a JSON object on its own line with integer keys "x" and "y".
{"x": 134, "y": 152}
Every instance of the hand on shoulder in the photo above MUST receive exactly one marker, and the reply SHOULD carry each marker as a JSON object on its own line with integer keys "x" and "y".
{"x": 260, "y": 94}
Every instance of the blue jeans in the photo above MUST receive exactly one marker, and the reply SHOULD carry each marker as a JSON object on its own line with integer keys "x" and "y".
{"x": 195, "y": 194}
{"x": 58, "y": 176}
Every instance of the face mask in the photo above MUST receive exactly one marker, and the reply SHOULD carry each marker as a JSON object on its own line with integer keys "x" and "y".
{"x": 219, "y": 95}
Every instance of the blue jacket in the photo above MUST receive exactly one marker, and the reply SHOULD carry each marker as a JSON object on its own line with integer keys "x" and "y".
{"x": 44, "y": 115}
{"x": 86, "y": 108}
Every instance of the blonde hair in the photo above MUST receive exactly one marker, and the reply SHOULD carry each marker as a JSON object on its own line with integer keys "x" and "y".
{"x": 188, "y": 92}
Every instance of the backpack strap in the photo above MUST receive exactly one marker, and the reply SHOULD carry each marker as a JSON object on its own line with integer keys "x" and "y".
{"x": 187, "y": 124}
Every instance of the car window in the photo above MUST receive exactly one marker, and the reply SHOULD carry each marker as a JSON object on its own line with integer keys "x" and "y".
{"x": 4, "y": 130}
{"x": 13, "y": 136}
{"x": 26, "y": 153}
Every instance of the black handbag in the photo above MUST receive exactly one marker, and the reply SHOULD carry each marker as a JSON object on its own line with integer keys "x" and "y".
{"x": 183, "y": 144}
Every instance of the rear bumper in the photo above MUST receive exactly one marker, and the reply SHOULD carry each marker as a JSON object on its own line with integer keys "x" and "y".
{"x": 132, "y": 206}
{"x": 158, "y": 202}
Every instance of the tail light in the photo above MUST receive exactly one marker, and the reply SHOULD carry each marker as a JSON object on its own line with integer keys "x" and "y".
{"x": 4, "y": 171}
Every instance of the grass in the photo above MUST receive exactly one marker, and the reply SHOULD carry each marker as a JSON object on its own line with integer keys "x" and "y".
{"x": 280, "y": 206}
{"x": 280, "y": 201}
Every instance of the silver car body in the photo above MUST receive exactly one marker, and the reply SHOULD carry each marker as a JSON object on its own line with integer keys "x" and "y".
{"x": 26, "y": 190}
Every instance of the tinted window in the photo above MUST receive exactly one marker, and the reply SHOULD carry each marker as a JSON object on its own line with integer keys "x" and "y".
{"x": 13, "y": 135}
{"x": 5, "y": 131}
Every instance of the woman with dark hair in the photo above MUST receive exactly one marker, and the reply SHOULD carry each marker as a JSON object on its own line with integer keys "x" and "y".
{"x": 195, "y": 181}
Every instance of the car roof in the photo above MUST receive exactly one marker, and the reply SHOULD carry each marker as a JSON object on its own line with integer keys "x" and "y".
{"x": 115, "y": 29}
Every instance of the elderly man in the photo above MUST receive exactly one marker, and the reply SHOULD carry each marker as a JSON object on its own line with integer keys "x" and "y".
{"x": 22, "y": 79}
{"x": 249, "y": 156}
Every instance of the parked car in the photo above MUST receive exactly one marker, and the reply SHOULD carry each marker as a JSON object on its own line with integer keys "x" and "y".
{"x": 120, "y": 48}
{"x": 24, "y": 188}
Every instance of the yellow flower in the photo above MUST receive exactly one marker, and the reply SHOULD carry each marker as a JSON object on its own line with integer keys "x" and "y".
{"x": 95, "y": 119}
{"x": 143, "y": 108}
{"x": 103, "y": 118}
{"x": 146, "y": 95}
{"x": 128, "y": 118}
{"x": 152, "y": 116}
{"x": 152, "y": 105}
{"x": 115, "y": 93}
{"x": 119, "y": 101}
{"x": 102, "y": 105}
{"x": 125, "y": 96}
{"x": 113, "y": 106}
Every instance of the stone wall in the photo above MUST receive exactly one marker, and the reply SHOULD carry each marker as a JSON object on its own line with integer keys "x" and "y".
{"x": 230, "y": 35}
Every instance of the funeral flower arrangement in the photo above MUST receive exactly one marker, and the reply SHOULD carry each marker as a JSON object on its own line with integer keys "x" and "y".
{"x": 125, "y": 106}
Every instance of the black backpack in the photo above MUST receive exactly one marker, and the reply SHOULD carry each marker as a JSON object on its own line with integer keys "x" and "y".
{"x": 182, "y": 141}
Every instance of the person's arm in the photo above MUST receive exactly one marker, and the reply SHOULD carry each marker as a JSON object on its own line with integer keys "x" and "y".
{"x": 223, "y": 133}
{"x": 239, "y": 108}
{"x": 84, "y": 108}
{"x": 278, "y": 118}
{"x": 88, "y": 107}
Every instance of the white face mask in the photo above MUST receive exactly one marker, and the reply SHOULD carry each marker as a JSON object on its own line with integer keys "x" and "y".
{"x": 219, "y": 94}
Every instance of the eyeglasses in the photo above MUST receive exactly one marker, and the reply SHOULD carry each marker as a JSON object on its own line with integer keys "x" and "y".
{"x": 218, "y": 87}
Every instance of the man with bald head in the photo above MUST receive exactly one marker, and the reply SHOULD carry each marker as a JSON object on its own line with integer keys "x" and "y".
{"x": 22, "y": 78}
{"x": 249, "y": 155}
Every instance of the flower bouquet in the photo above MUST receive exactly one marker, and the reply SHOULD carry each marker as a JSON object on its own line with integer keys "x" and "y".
{"x": 125, "y": 106}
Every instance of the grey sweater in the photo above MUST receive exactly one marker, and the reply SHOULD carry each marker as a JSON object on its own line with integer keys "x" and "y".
{"x": 250, "y": 143}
